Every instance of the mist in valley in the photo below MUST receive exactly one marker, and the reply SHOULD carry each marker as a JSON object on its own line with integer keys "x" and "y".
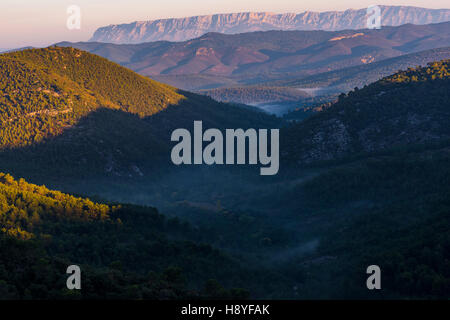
{"x": 253, "y": 218}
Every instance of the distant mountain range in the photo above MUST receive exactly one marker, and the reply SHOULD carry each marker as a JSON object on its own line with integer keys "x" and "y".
{"x": 183, "y": 29}
{"x": 218, "y": 60}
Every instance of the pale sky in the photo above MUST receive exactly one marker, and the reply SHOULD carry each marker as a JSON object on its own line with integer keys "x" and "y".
{"x": 43, "y": 22}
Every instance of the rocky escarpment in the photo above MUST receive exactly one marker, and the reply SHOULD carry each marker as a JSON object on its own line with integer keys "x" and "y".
{"x": 192, "y": 27}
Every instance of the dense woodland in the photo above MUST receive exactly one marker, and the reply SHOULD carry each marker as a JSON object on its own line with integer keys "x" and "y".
{"x": 125, "y": 251}
{"x": 392, "y": 210}
{"x": 382, "y": 197}
{"x": 257, "y": 94}
{"x": 47, "y": 91}
{"x": 78, "y": 114}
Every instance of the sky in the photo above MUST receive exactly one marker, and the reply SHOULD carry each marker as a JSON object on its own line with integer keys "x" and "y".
{"x": 44, "y": 22}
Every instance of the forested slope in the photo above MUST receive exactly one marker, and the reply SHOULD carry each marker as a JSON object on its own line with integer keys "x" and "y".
{"x": 124, "y": 251}
{"x": 409, "y": 107}
{"x": 65, "y": 112}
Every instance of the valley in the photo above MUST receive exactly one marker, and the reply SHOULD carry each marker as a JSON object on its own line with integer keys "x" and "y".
{"x": 368, "y": 172}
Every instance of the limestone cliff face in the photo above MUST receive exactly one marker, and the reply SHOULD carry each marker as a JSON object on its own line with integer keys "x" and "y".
{"x": 188, "y": 28}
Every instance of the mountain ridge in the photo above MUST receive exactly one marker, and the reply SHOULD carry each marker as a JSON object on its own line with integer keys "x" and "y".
{"x": 182, "y": 29}
{"x": 216, "y": 60}
{"x": 332, "y": 83}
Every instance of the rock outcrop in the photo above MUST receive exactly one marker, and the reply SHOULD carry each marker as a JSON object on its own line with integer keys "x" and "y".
{"x": 192, "y": 27}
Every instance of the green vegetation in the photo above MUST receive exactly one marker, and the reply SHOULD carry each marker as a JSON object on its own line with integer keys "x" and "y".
{"x": 392, "y": 211}
{"x": 125, "y": 251}
{"x": 364, "y": 181}
{"x": 45, "y": 91}
{"x": 380, "y": 189}
{"x": 435, "y": 70}
{"x": 410, "y": 107}
{"x": 66, "y": 112}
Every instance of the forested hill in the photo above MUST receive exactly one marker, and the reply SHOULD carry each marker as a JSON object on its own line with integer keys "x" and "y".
{"x": 346, "y": 79}
{"x": 381, "y": 158}
{"x": 124, "y": 251}
{"x": 72, "y": 110}
{"x": 47, "y": 90}
{"x": 409, "y": 107}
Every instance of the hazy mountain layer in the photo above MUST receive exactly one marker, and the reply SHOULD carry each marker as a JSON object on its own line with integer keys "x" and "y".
{"x": 217, "y": 60}
{"x": 315, "y": 88}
